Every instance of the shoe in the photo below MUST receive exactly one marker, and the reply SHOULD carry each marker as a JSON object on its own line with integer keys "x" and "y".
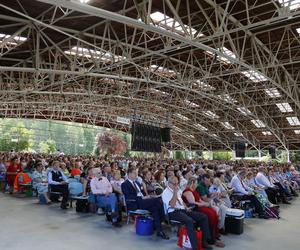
{"x": 116, "y": 224}
{"x": 222, "y": 231}
{"x": 286, "y": 202}
{"x": 207, "y": 247}
{"x": 63, "y": 206}
{"x": 162, "y": 235}
{"x": 219, "y": 244}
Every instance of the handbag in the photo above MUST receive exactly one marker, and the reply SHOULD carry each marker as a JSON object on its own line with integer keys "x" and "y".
{"x": 184, "y": 241}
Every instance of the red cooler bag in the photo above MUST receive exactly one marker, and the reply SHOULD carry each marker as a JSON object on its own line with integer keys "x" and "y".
{"x": 184, "y": 241}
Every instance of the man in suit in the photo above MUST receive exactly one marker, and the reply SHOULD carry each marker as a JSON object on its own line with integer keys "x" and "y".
{"x": 132, "y": 190}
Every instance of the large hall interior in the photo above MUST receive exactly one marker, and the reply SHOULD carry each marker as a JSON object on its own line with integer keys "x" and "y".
{"x": 149, "y": 124}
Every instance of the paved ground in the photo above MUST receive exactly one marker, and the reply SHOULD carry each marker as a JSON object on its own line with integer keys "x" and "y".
{"x": 26, "y": 225}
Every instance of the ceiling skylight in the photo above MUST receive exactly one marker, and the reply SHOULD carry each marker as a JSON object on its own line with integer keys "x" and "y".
{"x": 156, "y": 91}
{"x": 211, "y": 114}
{"x": 94, "y": 54}
{"x": 178, "y": 129}
{"x": 200, "y": 127}
{"x": 244, "y": 111}
{"x": 291, "y": 4}
{"x": 204, "y": 86}
{"x": 182, "y": 117}
{"x": 254, "y": 76}
{"x": 191, "y": 104}
{"x": 266, "y": 133}
{"x": 297, "y": 132}
{"x": 225, "y": 51}
{"x": 258, "y": 123}
{"x": 8, "y": 40}
{"x": 239, "y": 134}
{"x": 168, "y": 23}
{"x": 284, "y": 107}
{"x": 84, "y": 1}
{"x": 294, "y": 121}
{"x": 227, "y": 98}
{"x": 190, "y": 136}
{"x": 163, "y": 71}
{"x": 272, "y": 92}
{"x": 227, "y": 125}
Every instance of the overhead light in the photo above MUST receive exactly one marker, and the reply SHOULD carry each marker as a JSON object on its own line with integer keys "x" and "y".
{"x": 211, "y": 114}
{"x": 297, "y": 132}
{"x": 266, "y": 133}
{"x": 254, "y": 76}
{"x": 200, "y": 127}
{"x": 182, "y": 117}
{"x": 284, "y": 107}
{"x": 272, "y": 92}
{"x": 227, "y": 125}
{"x": 244, "y": 111}
{"x": 168, "y": 23}
{"x": 293, "y": 121}
{"x": 204, "y": 86}
{"x": 225, "y": 51}
{"x": 227, "y": 98}
{"x": 191, "y": 104}
{"x": 190, "y": 136}
{"x": 84, "y": 1}
{"x": 258, "y": 123}
{"x": 239, "y": 134}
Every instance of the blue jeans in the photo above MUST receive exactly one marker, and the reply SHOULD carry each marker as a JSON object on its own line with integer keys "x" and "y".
{"x": 108, "y": 202}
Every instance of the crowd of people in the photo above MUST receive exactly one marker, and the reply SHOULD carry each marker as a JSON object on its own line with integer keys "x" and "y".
{"x": 196, "y": 193}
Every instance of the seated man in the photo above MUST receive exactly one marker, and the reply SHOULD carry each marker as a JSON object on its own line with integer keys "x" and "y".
{"x": 240, "y": 188}
{"x": 272, "y": 190}
{"x": 178, "y": 211}
{"x": 59, "y": 183}
{"x": 133, "y": 191}
{"x": 101, "y": 187}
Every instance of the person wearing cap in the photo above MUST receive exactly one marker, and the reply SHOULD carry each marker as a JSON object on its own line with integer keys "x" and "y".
{"x": 59, "y": 183}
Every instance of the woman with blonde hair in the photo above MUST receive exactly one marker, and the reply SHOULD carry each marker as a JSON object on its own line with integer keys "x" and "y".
{"x": 191, "y": 196}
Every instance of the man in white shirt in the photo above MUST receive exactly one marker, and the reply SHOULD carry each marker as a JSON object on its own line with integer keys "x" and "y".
{"x": 177, "y": 210}
{"x": 272, "y": 190}
{"x": 246, "y": 193}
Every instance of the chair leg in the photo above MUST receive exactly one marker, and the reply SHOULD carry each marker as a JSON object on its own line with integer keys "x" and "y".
{"x": 128, "y": 219}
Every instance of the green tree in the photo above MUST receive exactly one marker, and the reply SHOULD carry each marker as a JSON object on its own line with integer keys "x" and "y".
{"x": 47, "y": 147}
{"x": 222, "y": 155}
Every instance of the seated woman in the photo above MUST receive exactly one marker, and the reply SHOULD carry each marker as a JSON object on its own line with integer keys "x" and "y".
{"x": 224, "y": 189}
{"x": 64, "y": 169}
{"x": 105, "y": 197}
{"x": 191, "y": 196}
{"x": 252, "y": 183}
{"x": 148, "y": 185}
{"x": 13, "y": 169}
{"x": 116, "y": 183}
{"x": 40, "y": 182}
{"x": 212, "y": 199}
{"x": 160, "y": 184}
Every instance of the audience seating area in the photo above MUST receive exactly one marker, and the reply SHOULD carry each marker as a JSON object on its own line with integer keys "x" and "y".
{"x": 172, "y": 192}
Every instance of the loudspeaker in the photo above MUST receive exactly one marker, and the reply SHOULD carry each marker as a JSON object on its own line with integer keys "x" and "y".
{"x": 240, "y": 149}
{"x": 145, "y": 138}
{"x": 166, "y": 134}
{"x": 272, "y": 152}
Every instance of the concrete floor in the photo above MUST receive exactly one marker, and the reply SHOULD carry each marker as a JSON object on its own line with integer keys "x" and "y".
{"x": 26, "y": 225}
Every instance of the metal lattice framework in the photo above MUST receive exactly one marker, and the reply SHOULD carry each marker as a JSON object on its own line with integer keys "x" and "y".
{"x": 211, "y": 68}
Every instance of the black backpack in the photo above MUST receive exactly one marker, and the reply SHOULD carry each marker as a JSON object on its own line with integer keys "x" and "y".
{"x": 82, "y": 206}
